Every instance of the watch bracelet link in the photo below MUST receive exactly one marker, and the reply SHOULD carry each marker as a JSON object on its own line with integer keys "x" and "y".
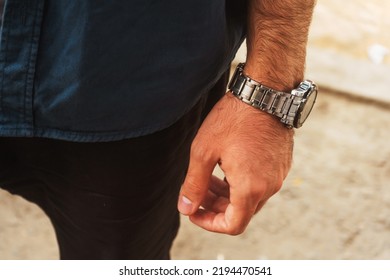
{"x": 280, "y": 104}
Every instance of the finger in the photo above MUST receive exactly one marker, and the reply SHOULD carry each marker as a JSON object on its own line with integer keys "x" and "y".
{"x": 217, "y": 197}
{"x": 245, "y": 199}
{"x": 227, "y": 222}
{"x": 214, "y": 203}
{"x": 208, "y": 220}
{"x": 197, "y": 181}
{"x": 219, "y": 187}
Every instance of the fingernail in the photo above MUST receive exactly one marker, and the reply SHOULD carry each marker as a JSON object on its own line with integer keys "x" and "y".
{"x": 185, "y": 207}
{"x": 186, "y": 200}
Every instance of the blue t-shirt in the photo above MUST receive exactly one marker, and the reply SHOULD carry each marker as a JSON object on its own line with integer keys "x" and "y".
{"x": 98, "y": 70}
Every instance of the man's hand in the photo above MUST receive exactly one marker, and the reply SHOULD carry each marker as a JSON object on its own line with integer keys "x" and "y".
{"x": 252, "y": 148}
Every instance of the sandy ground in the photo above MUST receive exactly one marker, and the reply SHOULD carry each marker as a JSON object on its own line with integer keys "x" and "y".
{"x": 335, "y": 204}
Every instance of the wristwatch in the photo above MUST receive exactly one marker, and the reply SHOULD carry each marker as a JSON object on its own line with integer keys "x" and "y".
{"x": 292, "y": 108}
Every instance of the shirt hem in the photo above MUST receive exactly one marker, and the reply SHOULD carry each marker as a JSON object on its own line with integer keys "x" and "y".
{"x": 78, "y": 136}
{"x": 88, "y": 136}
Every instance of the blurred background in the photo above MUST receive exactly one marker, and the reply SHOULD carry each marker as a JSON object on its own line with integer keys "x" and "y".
{"x": 335, "y": 203}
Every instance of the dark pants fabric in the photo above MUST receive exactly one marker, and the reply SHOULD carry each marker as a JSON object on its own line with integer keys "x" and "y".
{"x": 113, "y": 200}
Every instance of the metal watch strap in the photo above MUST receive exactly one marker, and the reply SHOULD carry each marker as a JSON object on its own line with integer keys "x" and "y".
{"x": 281, "y": 104}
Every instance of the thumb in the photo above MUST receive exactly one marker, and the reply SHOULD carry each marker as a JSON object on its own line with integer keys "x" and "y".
{"x": 196, "y": 183}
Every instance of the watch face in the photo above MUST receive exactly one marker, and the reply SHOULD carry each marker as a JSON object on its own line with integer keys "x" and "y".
{"x": 306, "y": 107}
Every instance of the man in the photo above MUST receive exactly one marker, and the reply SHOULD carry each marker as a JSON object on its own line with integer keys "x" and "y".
{"x": 101, "y": 101}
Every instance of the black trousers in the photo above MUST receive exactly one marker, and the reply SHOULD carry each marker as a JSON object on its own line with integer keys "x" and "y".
{"x": 112, "y": 200}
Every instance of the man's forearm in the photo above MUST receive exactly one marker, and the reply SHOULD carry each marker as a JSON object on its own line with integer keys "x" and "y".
{"x": 276, "y": 41}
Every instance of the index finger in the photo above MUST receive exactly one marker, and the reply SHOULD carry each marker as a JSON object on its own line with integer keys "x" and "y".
{"x": 235, "y": 219}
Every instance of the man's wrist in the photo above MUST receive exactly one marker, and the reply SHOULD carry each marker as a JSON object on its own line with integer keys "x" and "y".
{"x": 278, "y": 80}
{"x": 292, "y": 108}
{"x": 267, "y": 120}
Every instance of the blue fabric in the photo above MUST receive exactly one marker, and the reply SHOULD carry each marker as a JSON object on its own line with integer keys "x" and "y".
{"x": 98, "y": 70}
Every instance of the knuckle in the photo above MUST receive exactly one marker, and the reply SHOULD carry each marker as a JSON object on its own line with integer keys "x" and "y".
{"x": 259, "y": 192}
{"x": 278, "y": 184}
{"x": 236, "y": 231}
{"x": 237, "y": 226}
{"x": 269, "y": 186}
{"x": 201, "y": 153}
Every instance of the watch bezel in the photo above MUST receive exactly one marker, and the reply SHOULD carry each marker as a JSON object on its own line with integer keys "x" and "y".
{"x": 307, "y": 95}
